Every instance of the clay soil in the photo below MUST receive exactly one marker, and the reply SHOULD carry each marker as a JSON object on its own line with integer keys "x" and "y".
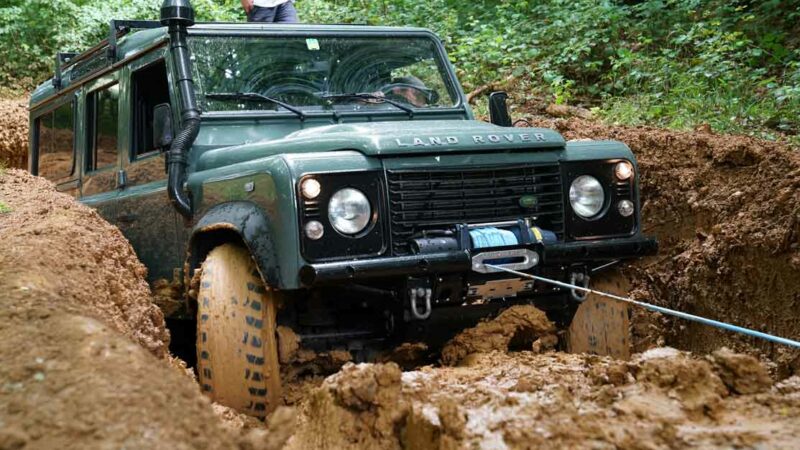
{"x": 726, "y": 212}
{"x": 14, "y": 133}
{"x": 85, "y": 362}
{"x": 84, "y": 350}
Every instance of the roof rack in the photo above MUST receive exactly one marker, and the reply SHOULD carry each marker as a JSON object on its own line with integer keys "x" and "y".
{"x": 95, "y": 57}
{"x": 61, "y": 58}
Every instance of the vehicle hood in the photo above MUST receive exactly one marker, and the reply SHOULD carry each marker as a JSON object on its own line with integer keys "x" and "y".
{"x": 391, "y": 139}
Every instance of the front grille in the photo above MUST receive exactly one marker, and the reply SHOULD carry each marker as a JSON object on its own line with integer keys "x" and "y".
{"x": 422, "y": 200}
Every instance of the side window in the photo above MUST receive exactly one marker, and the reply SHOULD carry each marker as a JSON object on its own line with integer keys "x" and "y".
{"x": 102, "y": 111}
{"x": 56, "y": 140}
{"x": 150, "y": 88}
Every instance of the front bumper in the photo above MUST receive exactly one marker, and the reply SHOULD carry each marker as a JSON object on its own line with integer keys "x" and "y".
{"x": 461, "y": 261}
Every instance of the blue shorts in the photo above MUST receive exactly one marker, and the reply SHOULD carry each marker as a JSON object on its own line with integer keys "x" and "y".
{"x": 283, "y": 13}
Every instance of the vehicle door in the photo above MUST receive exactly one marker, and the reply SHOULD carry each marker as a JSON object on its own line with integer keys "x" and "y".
{"x": 100, "y": 117}
{"x": 145, "y": 213}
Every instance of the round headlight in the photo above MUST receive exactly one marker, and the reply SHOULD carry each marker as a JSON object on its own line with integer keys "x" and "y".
{"x": 586, "y": 196}
{"x": 349, "y": 211}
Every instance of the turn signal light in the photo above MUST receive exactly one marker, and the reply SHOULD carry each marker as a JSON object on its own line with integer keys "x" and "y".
{"x": 310, "y": 188}
{"x": 623, "y": 170}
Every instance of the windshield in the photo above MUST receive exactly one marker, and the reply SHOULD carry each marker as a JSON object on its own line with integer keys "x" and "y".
{"x": 319, "y": 73}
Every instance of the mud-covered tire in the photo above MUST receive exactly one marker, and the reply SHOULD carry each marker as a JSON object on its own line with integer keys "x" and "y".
{"x": 237, "y": 356}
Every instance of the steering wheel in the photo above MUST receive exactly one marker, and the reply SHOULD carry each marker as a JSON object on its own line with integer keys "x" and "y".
{"x": 297, "y": 90}
{"x": 430, "y": 95}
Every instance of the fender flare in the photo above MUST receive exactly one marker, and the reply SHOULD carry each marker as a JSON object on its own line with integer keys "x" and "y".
{"x": 249, "y": 223}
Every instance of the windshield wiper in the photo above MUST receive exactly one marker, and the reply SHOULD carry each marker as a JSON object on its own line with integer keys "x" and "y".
{"x": 255, "y": 97}
{"x": 368, "y": 96}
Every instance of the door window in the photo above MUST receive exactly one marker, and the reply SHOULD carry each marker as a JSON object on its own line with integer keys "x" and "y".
{"x": 55, "y": 138}
{"x": 150, "y": 88}
{"x": 102, "y": 108}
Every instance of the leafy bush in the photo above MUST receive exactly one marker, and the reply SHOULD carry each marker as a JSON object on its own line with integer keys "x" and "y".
{"x": 32, "y": 31}
{"x": 732, "y": 64}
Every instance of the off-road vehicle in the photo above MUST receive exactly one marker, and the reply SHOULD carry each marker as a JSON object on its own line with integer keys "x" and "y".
{"x": 329, "y": 179}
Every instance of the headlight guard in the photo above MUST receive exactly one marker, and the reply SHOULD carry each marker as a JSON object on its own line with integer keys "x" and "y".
{"x": 364, "y": 237}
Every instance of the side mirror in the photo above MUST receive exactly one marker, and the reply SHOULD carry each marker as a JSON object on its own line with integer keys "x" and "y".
{"x": 498, "y": 110}
{"x": 162, "y": 126}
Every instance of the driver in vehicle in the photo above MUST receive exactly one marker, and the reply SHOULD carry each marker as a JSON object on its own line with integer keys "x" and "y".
{"x": 411, "y": 90}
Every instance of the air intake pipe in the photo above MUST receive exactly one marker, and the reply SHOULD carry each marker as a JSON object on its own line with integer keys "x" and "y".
{"x": 177, "y": 15}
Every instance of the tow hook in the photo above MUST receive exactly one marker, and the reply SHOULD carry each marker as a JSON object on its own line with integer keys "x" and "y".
{"x": 579, "y": 279}
{"x": 423, "y": 294}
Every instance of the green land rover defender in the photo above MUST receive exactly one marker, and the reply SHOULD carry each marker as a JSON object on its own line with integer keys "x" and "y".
{"x": 330, "y": 180}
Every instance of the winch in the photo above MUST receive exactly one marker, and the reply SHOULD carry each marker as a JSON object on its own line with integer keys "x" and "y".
{"x": 514, "y": 245}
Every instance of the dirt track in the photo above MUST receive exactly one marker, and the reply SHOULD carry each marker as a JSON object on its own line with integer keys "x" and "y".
{"x": 662, "y": 399}
{"x": 84, "y": 351}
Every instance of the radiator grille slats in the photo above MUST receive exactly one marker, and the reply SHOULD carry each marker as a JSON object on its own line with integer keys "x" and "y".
{"x": 422, "y": 199}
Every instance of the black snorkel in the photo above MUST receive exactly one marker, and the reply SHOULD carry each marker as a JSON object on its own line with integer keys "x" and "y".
{"x": 177, "y": 15}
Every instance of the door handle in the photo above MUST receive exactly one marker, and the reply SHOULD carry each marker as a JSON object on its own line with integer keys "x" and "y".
{"x": 122, "y": 179}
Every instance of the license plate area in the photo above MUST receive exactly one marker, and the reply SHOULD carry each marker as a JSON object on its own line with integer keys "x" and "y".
{"x": 499, "y": 288}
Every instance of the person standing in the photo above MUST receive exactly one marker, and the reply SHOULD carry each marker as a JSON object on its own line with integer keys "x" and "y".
{"x": 271, "y": 11}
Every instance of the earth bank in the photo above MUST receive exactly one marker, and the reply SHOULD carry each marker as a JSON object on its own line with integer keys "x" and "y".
{"x": 14, "y": 133}
{"x": 84, "y": 350}
{"x": 726, "y": 212}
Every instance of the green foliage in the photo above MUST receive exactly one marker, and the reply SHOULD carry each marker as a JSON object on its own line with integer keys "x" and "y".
{"x": 4, "y": 208}
{"x": 734, "y": 64}
{"x": 32, "y": 31}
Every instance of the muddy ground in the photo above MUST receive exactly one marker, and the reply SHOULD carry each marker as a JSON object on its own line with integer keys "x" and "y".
{"x": 13, "y": 133}
{"x": 84, "y": 350}
{"x": 85, "y": 362}
{"x": 726, "y": 212}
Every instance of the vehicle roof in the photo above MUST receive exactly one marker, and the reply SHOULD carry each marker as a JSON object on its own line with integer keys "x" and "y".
{"x": 136, "y": 42}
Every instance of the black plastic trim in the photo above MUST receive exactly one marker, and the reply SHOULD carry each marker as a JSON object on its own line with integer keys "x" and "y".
{"x": 608, "y": 223}
{"x": 334, "y": 245}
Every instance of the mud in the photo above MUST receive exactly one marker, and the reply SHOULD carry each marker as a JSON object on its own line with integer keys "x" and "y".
{"x": 522, "y": 323}
{"x": 84, "y": 352}
{"x": 53, "y": 245}
{"x": 14, "y": 133}
{"x": 663, "y": 398}
{"x": 726, "y": 211}
{"x": 359, "y": 407}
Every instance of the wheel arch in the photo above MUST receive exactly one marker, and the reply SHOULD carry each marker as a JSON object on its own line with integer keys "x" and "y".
{"x": 240, "y": 222}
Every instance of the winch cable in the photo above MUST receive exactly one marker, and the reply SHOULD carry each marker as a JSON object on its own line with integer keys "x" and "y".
{"x": 660, "y": 309}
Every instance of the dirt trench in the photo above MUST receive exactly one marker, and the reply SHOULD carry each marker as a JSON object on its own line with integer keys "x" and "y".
{"x": 726, "y": 212}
